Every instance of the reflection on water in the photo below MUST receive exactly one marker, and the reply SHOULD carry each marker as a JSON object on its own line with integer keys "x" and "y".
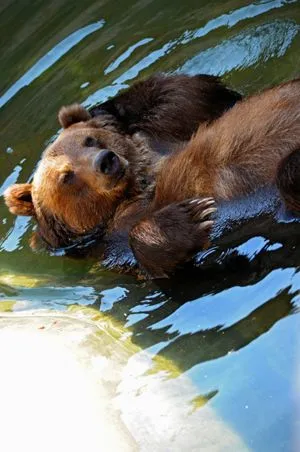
{"x": 49, "y": 59}
{"x": 232, "y": 332}
{"x": 115, "y": 64}
{"x": 246, "y": 49}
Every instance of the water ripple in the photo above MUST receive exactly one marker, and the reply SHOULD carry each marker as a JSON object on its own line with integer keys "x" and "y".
{"x": 262, "y": 42}
{"x": 231, "y": 19}
{"x": 115, "y": 64}
{"x": 49, "y": 59}
{"x": 228, "y": 20}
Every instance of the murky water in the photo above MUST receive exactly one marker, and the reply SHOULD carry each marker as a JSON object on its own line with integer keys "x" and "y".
{"x": 234, "y": 335}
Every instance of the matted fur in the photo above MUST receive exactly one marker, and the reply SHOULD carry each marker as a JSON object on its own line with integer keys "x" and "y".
{"x": 170, "y": 107}
{"x": 70, "y": 199}
{"x": 234, "y": 155}
{"x": 255, "y": 144}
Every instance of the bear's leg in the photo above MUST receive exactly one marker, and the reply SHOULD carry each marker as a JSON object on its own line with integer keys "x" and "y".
{"x": 288, "y": 181}
{"x": 169, "y": 108}
{"x": 172, "y": 235}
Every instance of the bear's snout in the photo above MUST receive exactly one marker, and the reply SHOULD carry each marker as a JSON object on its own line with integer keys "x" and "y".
{"x": 108, "y": 163}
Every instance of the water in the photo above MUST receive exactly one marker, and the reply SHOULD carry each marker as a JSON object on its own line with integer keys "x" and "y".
{"x": 234, "y": 334}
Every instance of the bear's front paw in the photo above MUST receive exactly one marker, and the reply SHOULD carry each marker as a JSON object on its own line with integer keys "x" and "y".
{"x": 194, "y": 221}
{"x": 172, "y": 235}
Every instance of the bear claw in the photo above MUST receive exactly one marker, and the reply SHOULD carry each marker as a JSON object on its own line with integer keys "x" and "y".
{"x": 200, "y": 209}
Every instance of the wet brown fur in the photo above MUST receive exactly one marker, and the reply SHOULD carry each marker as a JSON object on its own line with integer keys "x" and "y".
{"x": 70, "y": 198}
{"x": 255, "y": 144}
{"x": 88, "y": 200}
{"x": 169, "y": 108}
{"x": 238, "y": 152}
{"x": 246, "y": 148}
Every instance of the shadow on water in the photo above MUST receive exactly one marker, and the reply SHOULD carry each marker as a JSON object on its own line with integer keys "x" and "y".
{"x": 232, "y": 328}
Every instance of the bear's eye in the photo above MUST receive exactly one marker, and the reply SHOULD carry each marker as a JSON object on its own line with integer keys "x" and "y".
{"x": 90, "y": 142}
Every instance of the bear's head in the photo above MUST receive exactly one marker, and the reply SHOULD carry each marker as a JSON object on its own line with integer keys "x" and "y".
{"x": 81, "y": 179}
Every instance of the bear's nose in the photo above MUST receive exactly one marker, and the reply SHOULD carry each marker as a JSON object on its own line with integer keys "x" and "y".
{"x": 107, "y": 162}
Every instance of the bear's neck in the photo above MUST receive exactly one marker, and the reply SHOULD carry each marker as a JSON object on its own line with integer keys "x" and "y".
{"x": 144, "y": 164}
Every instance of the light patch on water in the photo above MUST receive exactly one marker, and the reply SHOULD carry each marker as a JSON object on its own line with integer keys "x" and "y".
{"x": 147, "y": 61}
{"x": 234, "y": 17}
{"x": 54, "y": 297}
{"x": 111, "y": 296}
{"x": 14, "y": 236}
{"x": 115, "y": 64}
{"x": 50, "y": 398}
{"x": 135, "y": 318}
{"x": 147, "y": 307}
{"x": 252, "y": 247}
{"x": 68, "y": 379}
{"x": 49, "y": 59}
{"x": 84, "y": 85}
{"x": 11, "y": 179}
{"x": 141, "y": 312}
{"x": 274, "y": 246}
{"x": 226, "y": 308}
{"x": 259, "y": 43}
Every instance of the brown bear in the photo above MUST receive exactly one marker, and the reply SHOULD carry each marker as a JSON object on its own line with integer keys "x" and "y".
{"x": 253, "y": 145}
{"x": 84, "y": 175}
{"x": 120, "y": 186}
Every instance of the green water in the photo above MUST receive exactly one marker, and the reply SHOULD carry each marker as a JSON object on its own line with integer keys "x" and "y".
{"x": 236, "y": 336}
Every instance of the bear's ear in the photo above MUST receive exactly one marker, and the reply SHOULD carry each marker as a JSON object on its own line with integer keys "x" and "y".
{"x": 71, "y": 114}
{"x": 18, "y": 199}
